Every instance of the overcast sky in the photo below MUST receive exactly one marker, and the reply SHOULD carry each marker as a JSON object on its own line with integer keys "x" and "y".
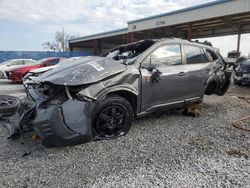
{"x": 25, "y": 24}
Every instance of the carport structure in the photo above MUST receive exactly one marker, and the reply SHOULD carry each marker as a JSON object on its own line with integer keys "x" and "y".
{"x": 217, "y": 18}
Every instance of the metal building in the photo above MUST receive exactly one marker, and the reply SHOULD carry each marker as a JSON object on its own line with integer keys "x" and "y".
{"x": 217, "y": 18}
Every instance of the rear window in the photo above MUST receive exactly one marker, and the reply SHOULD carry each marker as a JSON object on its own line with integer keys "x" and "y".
{"x": 211, "y": 55}
{"x": 194, "y": 55}
{"x": 233, "y": 55}
{"x": 52, "y": 62}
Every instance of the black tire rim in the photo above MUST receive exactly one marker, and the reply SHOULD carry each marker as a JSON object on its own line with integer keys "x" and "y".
{"x": 111, "y": 122}
{"x": 7, "y": 101}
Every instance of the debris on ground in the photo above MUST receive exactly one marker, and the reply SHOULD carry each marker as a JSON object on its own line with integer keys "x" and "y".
{"x": 237, "y": 153}
{"x": 239, "y": 123}
{"x": 26, "y": 154}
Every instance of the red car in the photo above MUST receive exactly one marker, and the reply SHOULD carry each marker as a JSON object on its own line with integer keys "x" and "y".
{"x": 17, "y": 74}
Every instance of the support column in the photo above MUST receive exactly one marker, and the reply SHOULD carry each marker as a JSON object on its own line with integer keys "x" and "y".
{"x": 95, "y": 47}
{"x": 99, "y": 47}
{"x": 130, "y": 37}
{"x": 238, "y": 42}
{"x": 70, "y": 47}
{"x": 189, "y": 34}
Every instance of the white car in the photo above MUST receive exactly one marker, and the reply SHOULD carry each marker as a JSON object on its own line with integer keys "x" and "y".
{"x": 13, "y": 63}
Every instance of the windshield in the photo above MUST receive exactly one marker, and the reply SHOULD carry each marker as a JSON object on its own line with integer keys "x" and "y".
{"x": 127, "y": 54}
{"x": 246, "y": 63}
{"x": 40, "y": 61}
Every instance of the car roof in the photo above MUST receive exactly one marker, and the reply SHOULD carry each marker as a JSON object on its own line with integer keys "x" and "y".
{"x": 20, "y": 59}
{"x": 182, "y": 41}
{"x": 169, "y": 40}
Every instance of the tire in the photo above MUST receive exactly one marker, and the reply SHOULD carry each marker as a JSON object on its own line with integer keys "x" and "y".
{"x": 9, "y": 104}
{"x": 236, "y": 82}
{"x": 210, "y": 88}
{"x": 112, "y": 117}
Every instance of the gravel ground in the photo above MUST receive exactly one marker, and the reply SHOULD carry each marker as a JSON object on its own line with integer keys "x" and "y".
{"x": 162, "y": 150}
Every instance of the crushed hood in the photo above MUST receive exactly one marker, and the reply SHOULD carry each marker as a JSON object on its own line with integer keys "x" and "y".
{"x": 83, "y": 71}
{"x": 43, "y": 69}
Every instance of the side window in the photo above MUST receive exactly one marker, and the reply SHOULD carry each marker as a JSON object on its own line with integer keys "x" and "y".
{"x": 27, "y": 62}
{"x": 17, "y": 62}
{"x": 166, "y": 56}
{"x": 204, "y": 56}
{"x": 52, "y": 62}
{"x": 211, "y": 55}
{"x": 194, "y": 55}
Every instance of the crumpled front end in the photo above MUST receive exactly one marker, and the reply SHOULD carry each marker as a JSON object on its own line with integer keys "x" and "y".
{"x": 56, "y": 118}
{"x": 63, "y": 124}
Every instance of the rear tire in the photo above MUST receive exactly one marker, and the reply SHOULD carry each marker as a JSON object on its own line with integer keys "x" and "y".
{"x": 112, "y": 117}
{"x": 211, "y": 88}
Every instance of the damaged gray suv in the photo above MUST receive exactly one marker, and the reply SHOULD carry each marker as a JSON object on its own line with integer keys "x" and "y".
{"x": 98, "y": 97}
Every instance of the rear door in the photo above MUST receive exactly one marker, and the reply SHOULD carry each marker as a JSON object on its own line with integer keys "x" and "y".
{"x": 198, "y": 68}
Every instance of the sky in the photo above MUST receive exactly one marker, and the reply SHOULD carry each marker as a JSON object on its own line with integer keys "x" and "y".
{"x": 26, "y": 24}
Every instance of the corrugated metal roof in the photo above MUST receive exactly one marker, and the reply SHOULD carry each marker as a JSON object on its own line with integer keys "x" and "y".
{"x": 100, "y": 35}
{"x": 181, "y": 10}
{"x": 126, "y": 30}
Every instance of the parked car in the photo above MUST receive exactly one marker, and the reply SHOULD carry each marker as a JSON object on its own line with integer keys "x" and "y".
{"x": 239, "y": 60}
{"x": 98, "y": 97}
{"x": 232, "y": 57}
{"x": 17, "y": 74}
{"x": 14, "y": 63}
{"x": 36, "y": 72}
{"x": 242, "y": 73}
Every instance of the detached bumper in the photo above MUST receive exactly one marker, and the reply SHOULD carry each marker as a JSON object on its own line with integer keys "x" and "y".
{"x": 56, "y": 125}
{"x": 63, "y": 125}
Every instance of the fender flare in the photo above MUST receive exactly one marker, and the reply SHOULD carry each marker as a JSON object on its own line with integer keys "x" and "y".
{"x": 130, "y": 89}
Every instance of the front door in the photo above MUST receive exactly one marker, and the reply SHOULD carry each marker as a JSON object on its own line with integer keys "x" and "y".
{"x": 171, "y": 88}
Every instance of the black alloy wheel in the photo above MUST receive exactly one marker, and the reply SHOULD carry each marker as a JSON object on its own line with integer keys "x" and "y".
{"x": 113, "y": 117}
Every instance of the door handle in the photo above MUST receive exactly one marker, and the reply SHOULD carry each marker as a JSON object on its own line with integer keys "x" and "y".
{"x": 182, "y": 73}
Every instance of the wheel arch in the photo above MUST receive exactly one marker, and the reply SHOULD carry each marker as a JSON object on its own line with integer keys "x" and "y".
{"x": 130, "y": 96}
{"x": 210, "y": 86}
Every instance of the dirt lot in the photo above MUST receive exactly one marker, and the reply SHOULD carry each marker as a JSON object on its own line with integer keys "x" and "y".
{"x": 170, "y": 150}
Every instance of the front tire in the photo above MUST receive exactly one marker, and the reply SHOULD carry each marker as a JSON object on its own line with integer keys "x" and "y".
{"x": 112, "y": 117}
